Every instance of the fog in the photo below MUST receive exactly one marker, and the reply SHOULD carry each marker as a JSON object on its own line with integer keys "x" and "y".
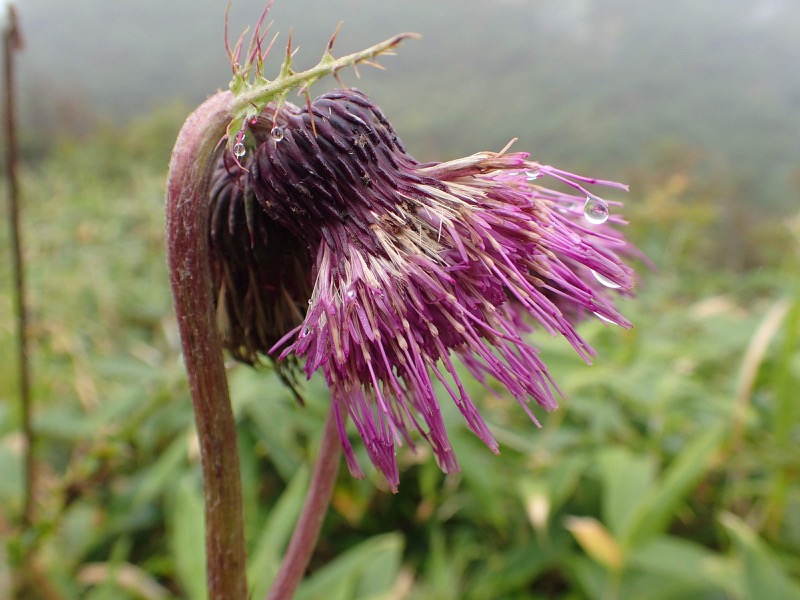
{"x": 589, "y": 82}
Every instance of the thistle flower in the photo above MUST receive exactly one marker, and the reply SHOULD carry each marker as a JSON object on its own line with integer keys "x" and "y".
{"x": 312, "y": 239}
{"x": 334, "y": 250}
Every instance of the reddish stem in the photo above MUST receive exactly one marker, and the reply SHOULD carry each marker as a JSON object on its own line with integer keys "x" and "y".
{"x": 187, "y": 245}
{"x": 187, "y": 248}
{"x": 306, "y": 533}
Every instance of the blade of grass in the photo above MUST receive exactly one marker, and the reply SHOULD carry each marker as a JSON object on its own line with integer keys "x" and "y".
{"x": 784, "y": 420}
{"x": 658, "y": 507}
{"x": 764, "y": 575}
{"x": 265, "y": 556}
{"x": 753, "y": 358}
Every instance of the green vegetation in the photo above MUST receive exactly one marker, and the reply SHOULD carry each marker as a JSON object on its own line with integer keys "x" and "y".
{"x": 670, "y": 472}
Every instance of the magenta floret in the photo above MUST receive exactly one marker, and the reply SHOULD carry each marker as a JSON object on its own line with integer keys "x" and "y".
{"x": 385, "y": 268}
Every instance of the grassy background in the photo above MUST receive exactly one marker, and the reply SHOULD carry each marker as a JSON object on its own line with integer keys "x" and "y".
{"x": 670, "y": 472}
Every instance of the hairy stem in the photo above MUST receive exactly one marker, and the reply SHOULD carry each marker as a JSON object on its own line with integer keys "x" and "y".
{"x": 306, "y": 533}
{"x": 252, "y": 97}
{"x": 263, "y": 93}
{"x": 187, "y": 248}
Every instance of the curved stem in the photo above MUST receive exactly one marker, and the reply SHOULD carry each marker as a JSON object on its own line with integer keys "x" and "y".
{"x": 187, "y": 249}
{"x": 306, "y": 533}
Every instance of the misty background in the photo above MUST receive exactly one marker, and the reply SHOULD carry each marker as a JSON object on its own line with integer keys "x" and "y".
{"x": 606, "y": 86}
{"x": 678, "y": 446}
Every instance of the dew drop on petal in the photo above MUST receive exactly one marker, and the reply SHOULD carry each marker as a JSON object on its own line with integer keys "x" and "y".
{"x": 351, "y": 294}
{"x": 239, "y": 150}
{"x": 602, "y": 318}
{"x": 605, "y": 280}
{"x": 595, "y": 210}
{"x": 533, "y": 175}
{"x": 305, "y": 332}
{"x": 277, "y": 133}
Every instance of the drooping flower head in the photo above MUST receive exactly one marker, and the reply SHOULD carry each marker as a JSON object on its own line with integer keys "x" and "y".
{"x": 332, "y": 247}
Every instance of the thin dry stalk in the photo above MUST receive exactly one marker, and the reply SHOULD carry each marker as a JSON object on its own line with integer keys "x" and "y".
{"x": 12, "y": 42}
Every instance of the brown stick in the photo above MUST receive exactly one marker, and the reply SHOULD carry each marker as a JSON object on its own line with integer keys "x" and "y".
{"x": 187, "y": 249}
{"x": 12, "y": 41}
{"x": 306, "y": 532}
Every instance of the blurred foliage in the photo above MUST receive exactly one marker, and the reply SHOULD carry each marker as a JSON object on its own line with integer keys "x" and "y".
{"x": 670, "y": 472}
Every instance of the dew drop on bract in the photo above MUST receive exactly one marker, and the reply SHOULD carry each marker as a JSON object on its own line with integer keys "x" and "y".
{"x": 277, "y": 133}
{"x": 605, "y": 280}
{"x": 239, "y": 150}
{"x": 595, "y": 210}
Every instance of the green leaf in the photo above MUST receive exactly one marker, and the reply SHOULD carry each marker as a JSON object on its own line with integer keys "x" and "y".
{"x": 13, "y": 478}
{"x": 161, "y": 474}
{"x": 657, "y": 509}
{"x": 364, "y": 572}
{"x": 627, "y": 479}
{"x": 441, "y": 571}
{"x": 513, "y": 570}
{"x": 585, "y": 573}
{"x": 265, "y": 558}
{"x": 186, "y": 537}
{"x": 64, "y": 423}
{"x": 565, "y": 477}
{"x": 677, "y": 559}
{"x": 482, "y": 475}
{"x": 764, "y": 576}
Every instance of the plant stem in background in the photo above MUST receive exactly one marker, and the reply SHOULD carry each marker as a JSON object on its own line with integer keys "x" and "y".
{"x": 187, "y": 248}
{"x": 12, "y": 41}
{"x": 306, "y": 533}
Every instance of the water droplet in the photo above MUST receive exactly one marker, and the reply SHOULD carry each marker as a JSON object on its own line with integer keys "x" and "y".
{"x": 605, "y": 280}
{"x": 239, "y": 150}
{"x": 305, "y": 332}
{"x": 310, "y": 302}
{"x": 351, "y": 294}
{"x": 533, "y": 175}
{"x": 595, "y": 210}
{"x": 277, "y": 133}
{"x": 602, "y": 318}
